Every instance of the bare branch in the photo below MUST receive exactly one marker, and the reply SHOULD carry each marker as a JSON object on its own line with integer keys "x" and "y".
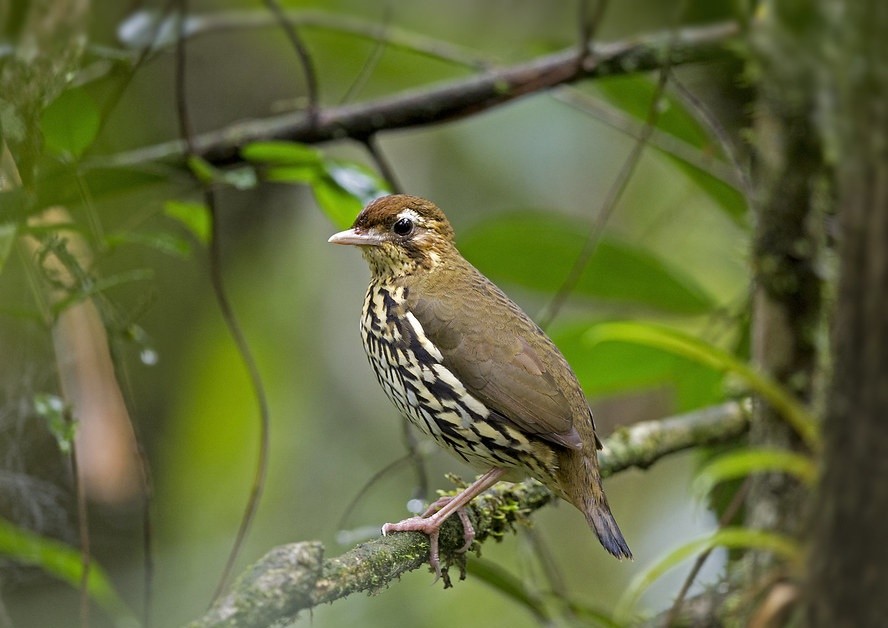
{"x": 431, "y": 105}
{"x": 295, "y": 577}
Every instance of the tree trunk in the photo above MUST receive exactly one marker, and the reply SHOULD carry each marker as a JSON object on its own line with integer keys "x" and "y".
{"x": 848, "y": 565}
{"x": 787, "y": 249}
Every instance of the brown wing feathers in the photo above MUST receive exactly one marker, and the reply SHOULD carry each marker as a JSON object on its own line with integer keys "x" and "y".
{"x": 505, "y": 371}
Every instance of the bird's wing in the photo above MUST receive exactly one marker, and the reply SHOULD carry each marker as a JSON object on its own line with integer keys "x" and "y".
{"x": 501, "y": 357}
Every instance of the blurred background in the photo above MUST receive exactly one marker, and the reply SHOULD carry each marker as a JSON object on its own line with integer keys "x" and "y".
{"x": 521, "y": 185}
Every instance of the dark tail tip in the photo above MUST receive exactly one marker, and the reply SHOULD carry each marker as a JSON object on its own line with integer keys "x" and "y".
{"x": 605, "y": 526}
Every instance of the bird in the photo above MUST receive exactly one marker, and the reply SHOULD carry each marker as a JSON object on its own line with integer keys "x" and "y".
{"x": 469, "y": 368}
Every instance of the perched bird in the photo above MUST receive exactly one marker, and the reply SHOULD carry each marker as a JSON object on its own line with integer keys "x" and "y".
{"x": 469, "y": 368}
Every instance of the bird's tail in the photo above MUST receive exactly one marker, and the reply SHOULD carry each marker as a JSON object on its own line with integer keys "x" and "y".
{"x": 580, "y": 482}
{"x": 602, "y": 521}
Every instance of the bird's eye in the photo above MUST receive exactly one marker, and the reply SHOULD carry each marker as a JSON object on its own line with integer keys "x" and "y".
{"x": 403, "y": 226}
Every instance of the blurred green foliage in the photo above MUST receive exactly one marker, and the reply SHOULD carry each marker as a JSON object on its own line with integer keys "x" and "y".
{"x": 672, "y": 254}
{"x": 538, "y": 250}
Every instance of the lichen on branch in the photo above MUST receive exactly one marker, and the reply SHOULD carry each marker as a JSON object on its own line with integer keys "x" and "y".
{"x": 295, "y": 577}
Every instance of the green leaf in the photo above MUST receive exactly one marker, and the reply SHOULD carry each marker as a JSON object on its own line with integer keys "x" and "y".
{"x": 340, "y": 206}
{"x": 616, "y": 367}
{"x": 357, "y": 180}
{"x": 340, "y": 188}
{"x": 732, "y": 538}
{"x": 287, "y": 162}
{"x": 65, "y": 563}
{"x": 293, "y": 174}
{"x": 65, "y": 186}
{"x": 194, "y": 216}
{"x": 283, "y": 154}
{"x": 634, "y": 94}
{"x": 343, "y": 189}
{"x": 243, "y": 178}
{"x": 537, "y": 250}
{"x": 7, "y": 238}
{"x": 727, "y": 197}
{"x": 741, "y": 463}
{"x": 70, "y": 122}
{"x": 681, "y": 344}
{"x": 204, "y": 171}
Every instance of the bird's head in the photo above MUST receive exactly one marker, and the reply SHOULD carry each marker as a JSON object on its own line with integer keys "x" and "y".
{"x": 400, "y": 235}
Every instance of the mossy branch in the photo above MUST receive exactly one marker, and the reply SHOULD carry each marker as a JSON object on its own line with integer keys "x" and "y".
{"x": 295, "y": 577}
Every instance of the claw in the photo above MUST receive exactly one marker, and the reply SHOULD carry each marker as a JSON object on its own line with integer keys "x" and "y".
{"x": 429, "y": 523}
{"x": 468, "y": 530}
{"x": 430, "y": 526}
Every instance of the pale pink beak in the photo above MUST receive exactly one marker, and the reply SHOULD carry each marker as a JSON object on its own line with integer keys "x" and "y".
{"x": 350, "y": 236}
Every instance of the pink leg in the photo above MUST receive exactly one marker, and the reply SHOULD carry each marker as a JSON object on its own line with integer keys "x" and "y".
{"x": 430, "y": 521}
{"x": 468, "y": 528}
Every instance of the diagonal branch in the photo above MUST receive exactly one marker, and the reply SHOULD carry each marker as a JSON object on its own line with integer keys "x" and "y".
{"x": 449, "y": 101}
{"x": 291, "y": 578}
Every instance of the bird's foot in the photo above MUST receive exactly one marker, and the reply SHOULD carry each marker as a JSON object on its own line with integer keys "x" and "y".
{"x": 462, "y": 513}
{"x": 429, "y": 523}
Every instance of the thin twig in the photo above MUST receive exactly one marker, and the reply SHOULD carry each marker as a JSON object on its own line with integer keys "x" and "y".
{"x": 551, "y": 572}
{"x": 373, "y": 479}
{"x": 231, "y": 322}
{"x": 147, "y": 534}
{"x": 371, "y": 63}
{"x": 730, "y": 512}
{"x": 118, "y": 91}
{"x": 186, "y": 131}
{"x": 246, "y": 355}
{"x": 669, "y": 144}
{"x": 396, "y": 38}
{"x": 718, "y": 130}
{"x": 144, "y": 467}
{"x": 311, "y": 77}
{"x": 452, "y": 100}
{"x": 615, "y": 193}
{"x": 589, "y": 22}
{"x": 382, "y": 164}
{"x": 83, "y": 528}
{"x": 607, "y": 209}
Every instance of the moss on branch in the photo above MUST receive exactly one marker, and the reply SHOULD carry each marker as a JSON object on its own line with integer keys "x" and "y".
{"x": 294, "y": 577}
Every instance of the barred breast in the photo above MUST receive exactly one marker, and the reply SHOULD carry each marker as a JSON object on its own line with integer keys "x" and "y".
{"x": 412, "y": 373}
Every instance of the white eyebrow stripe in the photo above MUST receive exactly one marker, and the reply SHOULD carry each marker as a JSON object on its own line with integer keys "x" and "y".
{"x": 411, "y": 214}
